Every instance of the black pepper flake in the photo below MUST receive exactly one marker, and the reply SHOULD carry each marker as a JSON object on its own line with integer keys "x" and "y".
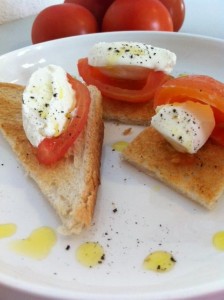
{"x": 67, "y": 247}
{"x": 114, "y": 210}
{"x": 55, "y": 95}
{"x": 173, "y": 259}
{"x": 102, "y": 257}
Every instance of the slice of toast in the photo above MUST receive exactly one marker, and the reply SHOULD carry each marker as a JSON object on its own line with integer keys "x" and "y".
{"x": 128, "y": 113}
{"x": 200, "y": 176}
{"x": 71, "y": 184}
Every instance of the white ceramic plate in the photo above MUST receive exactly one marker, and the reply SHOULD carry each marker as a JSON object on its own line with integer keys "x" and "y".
{"x": 149, "y": 217}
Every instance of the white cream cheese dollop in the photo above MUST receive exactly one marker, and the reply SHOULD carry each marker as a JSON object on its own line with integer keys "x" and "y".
{"x": 131, "y": 54}
{"x": 186, "y": 126}
{"x": 48, "y": 102}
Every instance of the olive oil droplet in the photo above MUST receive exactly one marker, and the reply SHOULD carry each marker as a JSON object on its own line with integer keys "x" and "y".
{"x": 7, "y": 230}
{"x": 38, "y": 245}
{"x": 218, "y": 240}
{"x": 120, "y": 146}
{"x": 159, "y": 261}
{"x": 90, "y": 254}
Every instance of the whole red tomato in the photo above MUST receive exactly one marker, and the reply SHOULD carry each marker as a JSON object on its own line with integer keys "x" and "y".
{"x": 137, "y": 15}
{"x": 97, "y": 7}
{"x": 176, "y": 9}
{"x": 62, "y": 20}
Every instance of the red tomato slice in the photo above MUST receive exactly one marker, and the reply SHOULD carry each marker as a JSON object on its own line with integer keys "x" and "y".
{"x": 119, "y": 88}
{"x": 218, "y": 134}
{"x": 50, "y": 150}
{"x": 200, "y": 88}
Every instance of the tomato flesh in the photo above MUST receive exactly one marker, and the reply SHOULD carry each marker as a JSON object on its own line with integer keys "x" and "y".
{"x": 122, "y": 89}
{"x": 125, "y": 72}
{"x": 199, "y": 88}
{"x": 51, "y": 150}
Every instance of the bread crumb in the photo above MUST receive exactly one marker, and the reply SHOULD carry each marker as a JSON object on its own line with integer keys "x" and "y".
{"x": 127, "y": 131}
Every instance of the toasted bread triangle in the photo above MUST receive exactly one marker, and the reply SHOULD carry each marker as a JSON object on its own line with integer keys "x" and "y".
{"x": 128, "y": 113}
{"x": 200, "y": 176}
{"x": 71, "y": 184}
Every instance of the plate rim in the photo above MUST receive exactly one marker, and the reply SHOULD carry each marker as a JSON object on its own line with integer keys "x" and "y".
{"x": 140, "y": 32}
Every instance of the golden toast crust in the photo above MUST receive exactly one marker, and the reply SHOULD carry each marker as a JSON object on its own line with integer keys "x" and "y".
{"x": 200, "y": 176}
{"x": 128, "y": 113}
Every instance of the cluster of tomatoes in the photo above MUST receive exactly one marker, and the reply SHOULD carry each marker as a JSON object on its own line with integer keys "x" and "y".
{"x": 75, "y": 17}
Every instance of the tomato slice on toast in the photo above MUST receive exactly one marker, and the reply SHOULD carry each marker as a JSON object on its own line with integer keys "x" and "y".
{"x": 200, "y": 88}
{"x": 50, "y": 150}
{"x": 123, "y": 89}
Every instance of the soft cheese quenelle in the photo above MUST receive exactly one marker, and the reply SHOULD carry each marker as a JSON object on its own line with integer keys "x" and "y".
{"x": 48, "y": 102}
{"x": 135, "y": 57}
{"x": 186, "y": 126}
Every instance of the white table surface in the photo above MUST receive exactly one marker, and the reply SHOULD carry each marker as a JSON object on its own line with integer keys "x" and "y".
{"x": 203, "y": 17}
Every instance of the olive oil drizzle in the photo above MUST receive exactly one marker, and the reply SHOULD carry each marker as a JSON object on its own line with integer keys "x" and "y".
{"x": 36, "y": 246}
{"x": 90, "y": 254}
{"x": 119, "y": 146}
{"x": 7, "y": 230}
{"x": 159, "y": 261}
{"x": 218, "y": 240}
